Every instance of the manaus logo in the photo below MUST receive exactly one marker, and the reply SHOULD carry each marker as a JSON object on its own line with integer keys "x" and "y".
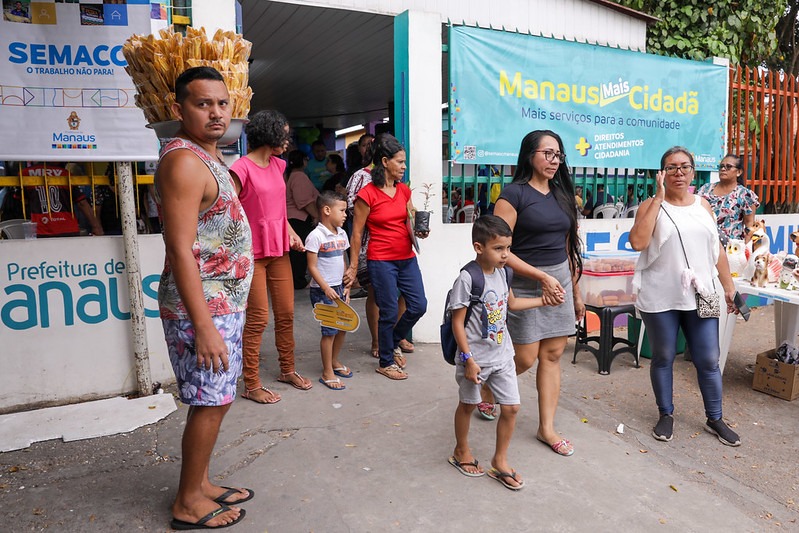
{"x": 73, "y": 120}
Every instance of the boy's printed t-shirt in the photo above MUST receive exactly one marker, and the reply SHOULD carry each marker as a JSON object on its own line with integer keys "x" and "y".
{"x": 498, "y": 347}
{"x": 329, "y": 248}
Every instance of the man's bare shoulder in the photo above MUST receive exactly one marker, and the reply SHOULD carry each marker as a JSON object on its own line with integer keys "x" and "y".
{"x": 182, "y": 168}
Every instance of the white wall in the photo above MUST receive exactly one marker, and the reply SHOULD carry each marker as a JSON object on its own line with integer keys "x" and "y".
{"x": 213, "y": 15}
{"x": 54, "y": 363}
{"x": 564, "y": 19}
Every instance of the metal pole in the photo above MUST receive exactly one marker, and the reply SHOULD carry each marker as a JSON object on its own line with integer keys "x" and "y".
{"x": 127, "y": 208}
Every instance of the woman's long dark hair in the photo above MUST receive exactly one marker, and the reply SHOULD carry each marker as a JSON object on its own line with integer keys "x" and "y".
{"x": 296, "y": 160}
{"x": 561, "y": 186}
{"x": 386, "y": 145}
{"x": 353, "y": 158}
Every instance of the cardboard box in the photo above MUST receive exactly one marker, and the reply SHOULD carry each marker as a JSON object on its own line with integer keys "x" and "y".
{"x": 776, "y": 378}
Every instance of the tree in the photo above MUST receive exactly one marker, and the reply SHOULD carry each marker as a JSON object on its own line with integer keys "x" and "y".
{"x": 744, "y": 31}
{"x": 786, "y": 57}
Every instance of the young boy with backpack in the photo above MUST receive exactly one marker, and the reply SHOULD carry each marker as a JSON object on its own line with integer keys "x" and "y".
{"x": 484, "y": 348}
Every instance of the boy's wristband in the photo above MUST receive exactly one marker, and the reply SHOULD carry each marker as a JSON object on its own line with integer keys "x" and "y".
{"x": 464, "y": 356}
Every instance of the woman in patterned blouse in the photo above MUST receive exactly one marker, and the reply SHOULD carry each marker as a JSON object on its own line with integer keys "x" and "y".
{"x": 733, "y": 203}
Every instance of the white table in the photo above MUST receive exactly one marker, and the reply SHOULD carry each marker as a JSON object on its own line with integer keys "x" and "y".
{"x": 786, "y": 316}
{"x": 786, "y": 309}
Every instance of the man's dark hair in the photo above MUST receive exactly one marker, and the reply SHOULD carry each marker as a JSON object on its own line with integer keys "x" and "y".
{"x": 489, "y": 227}
{"x": 318, "y": 142}
{"x": 191, "y": 74}
{"x": 328, "y": 198}
{"x": 267, "y": 128}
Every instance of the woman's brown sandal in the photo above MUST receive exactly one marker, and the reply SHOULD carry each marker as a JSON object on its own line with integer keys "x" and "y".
{"x": 406, "y": 346}
{"x": 306, "y": 383}
{"x": 274, "y": 397}
{"x": 399, "y": 358}
{"x": 392, "y": 372}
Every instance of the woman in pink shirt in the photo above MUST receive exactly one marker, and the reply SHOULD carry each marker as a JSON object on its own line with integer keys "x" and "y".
{"x": 263, "y": 195}
{"x": 301, "y": 204}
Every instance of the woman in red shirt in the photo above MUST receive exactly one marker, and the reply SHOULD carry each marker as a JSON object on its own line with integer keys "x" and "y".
{"x": 383, "y": 207}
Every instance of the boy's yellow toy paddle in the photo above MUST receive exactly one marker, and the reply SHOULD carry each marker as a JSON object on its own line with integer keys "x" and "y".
{"x": 338, "y": 315}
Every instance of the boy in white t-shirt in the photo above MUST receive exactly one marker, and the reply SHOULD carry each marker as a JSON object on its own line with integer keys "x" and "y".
{"x": 325, "y": 247}
{"x": 487, "y": 356}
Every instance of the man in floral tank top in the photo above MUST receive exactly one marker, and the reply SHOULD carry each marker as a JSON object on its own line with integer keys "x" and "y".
{"x": 203, "y": 290}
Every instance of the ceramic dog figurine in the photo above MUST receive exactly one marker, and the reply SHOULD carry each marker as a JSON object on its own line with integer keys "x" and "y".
{"x": 789, "y": 264}
{"x": 759, "y": 225}
{"x": 760, "y": 277}
{"x": 794, "y": 238}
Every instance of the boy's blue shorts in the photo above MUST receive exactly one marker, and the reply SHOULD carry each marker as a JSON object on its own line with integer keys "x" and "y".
{"x": 318, "y": 296}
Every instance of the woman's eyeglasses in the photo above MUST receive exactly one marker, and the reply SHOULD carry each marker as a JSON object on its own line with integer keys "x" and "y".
{"x": 550, "y": 156}
{"x": 727, "y": 167}
{"x": 672, "y": 169}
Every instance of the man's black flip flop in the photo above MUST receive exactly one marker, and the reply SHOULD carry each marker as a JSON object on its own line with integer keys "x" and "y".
{"x": 181, "y": 525}
{"x": 230, "y": 492}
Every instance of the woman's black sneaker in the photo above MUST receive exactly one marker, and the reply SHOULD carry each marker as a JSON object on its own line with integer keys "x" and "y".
{"x": 664, "y": 429}
{"x": 723, "y": 432}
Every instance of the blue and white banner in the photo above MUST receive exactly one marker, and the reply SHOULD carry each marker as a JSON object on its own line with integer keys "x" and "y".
{"x": 612, "y": 108}
{"x": 64, "y": 92}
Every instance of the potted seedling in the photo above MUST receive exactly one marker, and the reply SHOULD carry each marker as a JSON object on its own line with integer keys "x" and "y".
{"x": 423, "y": 216}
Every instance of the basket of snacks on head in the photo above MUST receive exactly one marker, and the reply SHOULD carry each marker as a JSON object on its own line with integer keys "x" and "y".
{"x": 154, "y": 63}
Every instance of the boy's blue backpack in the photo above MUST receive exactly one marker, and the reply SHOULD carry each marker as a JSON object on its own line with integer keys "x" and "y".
{"x": 448, "y": 343}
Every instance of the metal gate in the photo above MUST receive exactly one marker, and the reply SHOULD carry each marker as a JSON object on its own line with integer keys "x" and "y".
{"x": 762, "y": 129}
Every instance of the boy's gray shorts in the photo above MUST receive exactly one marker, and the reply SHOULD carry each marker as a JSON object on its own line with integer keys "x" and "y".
{"x": 501, "y": 380}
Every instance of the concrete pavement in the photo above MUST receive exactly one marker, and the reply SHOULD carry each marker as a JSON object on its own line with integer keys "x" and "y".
{"x": 373, "y": 457}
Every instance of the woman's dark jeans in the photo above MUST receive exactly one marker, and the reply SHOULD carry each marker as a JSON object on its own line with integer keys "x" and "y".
{"x": 389, "y": 278}
{"x": 702, "y": 335}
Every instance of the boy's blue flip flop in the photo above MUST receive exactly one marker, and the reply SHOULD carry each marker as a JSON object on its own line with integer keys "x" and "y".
{"x": 327, "y": 383}
{"x": 343, "y": 372}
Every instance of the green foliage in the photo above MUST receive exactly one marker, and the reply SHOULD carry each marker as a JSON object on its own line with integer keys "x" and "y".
{"x": 742, "y": 30}
{"x": 786, "y": 57}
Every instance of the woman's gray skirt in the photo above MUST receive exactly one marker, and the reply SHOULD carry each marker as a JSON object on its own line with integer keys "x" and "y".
{"x": 533, "y": 325}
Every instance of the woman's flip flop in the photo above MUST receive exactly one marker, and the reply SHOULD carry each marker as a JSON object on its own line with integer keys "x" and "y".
{"x": 305, "y": 385}
{"x": 459, "y": 465}
{"x": 502, "y": 477}
{"x": 247, "y": 395}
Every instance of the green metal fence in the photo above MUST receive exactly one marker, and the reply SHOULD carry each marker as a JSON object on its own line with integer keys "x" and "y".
{"x": 480, "y": 185}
